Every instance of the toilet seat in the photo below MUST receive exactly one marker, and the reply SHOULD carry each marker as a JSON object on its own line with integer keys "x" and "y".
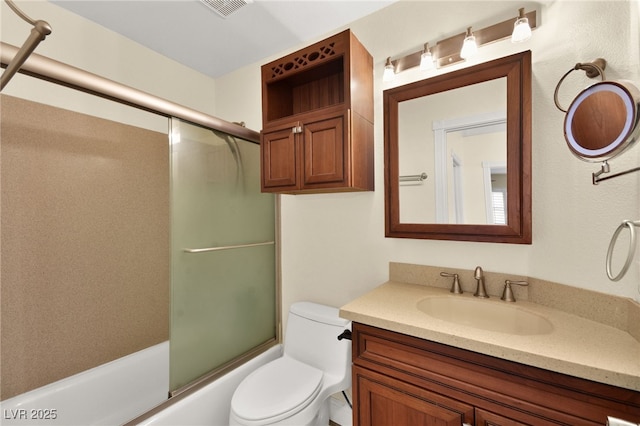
{"x": 276, "y": 391}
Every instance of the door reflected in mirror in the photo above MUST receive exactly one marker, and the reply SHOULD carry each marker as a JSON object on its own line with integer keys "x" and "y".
{"x": 469, "y": 133}
{"x": 462, "y": 146}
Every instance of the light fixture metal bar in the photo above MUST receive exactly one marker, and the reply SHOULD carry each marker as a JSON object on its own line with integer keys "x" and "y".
{"x": 408, "y": 62}
{"x": 447, "y": 51}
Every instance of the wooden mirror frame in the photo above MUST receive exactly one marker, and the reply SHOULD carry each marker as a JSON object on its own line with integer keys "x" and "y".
{"x": 517, "y": 70}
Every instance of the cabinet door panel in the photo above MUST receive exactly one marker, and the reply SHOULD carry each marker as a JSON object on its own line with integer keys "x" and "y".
{"x": 383, "y": 401}
{"x": 279, "y": 159}
{"x": 324, "y": 151}
{"x": 486, "y": 418}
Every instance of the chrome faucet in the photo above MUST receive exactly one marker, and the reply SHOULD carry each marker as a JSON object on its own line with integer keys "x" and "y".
{"x": 481, "y": 291}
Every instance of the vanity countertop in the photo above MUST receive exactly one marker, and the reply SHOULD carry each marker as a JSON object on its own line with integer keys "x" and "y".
{"x": 576, "y": 346}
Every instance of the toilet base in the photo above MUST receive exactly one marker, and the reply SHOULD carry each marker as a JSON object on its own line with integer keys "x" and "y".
{"x": 322, "y": 418}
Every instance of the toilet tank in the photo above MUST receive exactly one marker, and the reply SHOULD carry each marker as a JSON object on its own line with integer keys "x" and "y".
{"x": 312, "y": 337}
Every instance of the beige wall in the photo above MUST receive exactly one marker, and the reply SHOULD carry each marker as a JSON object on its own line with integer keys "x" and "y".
{"x": 85, "y": 242}
{"x": 334, "y": 247}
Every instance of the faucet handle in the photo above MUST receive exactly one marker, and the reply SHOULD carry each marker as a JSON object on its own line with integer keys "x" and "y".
{"x": 455, "y": 286}
{"x": 507, "y": 293}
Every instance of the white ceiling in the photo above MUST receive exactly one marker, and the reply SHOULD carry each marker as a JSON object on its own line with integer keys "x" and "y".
{"x": 190, "y": 33}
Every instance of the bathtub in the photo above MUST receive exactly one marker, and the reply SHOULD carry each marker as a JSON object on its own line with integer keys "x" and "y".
{"x": 210, "y": 405}
{"x": 115, "y": 393}
{"x": 110, "y": 394}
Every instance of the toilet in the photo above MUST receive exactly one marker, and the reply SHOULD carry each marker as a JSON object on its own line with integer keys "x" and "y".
{"x": 295, "y": 388}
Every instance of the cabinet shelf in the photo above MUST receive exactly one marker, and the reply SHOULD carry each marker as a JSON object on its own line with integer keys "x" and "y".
{"x": 315, "y": 88}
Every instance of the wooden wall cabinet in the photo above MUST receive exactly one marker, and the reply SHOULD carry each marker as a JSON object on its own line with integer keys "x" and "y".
{"x": 317, "y": 117}
{"x": 402, "y": 380}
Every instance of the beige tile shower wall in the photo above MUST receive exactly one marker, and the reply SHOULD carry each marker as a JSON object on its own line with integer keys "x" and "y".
{"x": 84, "y": 242}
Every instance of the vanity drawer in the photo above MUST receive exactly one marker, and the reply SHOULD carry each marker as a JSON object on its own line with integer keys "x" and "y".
{"x": 527, "y": 394}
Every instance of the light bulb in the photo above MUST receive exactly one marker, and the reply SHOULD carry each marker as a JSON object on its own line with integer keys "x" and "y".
{"x": 389, "y": 71}
{"x": 469, "y": 46}
{"x": 521, "y": 29}
{"x": 426, "y": 59}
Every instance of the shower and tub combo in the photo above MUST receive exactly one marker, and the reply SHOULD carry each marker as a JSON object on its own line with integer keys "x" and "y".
{"x": 223, "y": 269}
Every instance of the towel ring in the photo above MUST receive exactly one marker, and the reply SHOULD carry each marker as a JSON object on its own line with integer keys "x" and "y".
{"x": 632, "y": 248}
{"x": 592, "y": 69}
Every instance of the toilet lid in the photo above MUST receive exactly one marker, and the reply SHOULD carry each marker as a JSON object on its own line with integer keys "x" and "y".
{"x": 278, "y": 389}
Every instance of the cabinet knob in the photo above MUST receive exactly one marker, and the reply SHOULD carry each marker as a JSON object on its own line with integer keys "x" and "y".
{"x": 296, "y": 129}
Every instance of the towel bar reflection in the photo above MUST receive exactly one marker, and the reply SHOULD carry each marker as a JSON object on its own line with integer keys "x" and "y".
{"x": 207, "y": 249}
{"x": 414, "y": 178}
{"x": 632, "y": 248}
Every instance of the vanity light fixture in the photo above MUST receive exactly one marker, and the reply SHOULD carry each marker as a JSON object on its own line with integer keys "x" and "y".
{"x": 389, "y": 70}
{"x": 426, "y": 59}
{"x": 521, "y": 29}
{"x": 447, "y": 52}
{"x": 469, "y": 45}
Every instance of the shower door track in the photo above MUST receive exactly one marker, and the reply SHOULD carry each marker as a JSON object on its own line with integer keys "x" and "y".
{"x": 66, "y": 75}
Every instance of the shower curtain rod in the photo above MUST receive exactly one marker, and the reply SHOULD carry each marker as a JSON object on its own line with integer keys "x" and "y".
{"x": 66, "y": 75}
{"x": 40, "y": 30}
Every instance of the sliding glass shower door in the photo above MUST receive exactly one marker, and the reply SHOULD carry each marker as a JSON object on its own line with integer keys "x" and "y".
{"x": 223, "y": 278}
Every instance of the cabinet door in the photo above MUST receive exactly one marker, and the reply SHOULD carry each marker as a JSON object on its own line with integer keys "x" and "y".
{"x": 278, "y": 152}
{"x": 324, "y": 152}
{"x": 486, "y": 418}
{"x": 384, "y": 401}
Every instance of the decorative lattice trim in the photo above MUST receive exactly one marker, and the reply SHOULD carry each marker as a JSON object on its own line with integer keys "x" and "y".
{"x": 305, "y": 59}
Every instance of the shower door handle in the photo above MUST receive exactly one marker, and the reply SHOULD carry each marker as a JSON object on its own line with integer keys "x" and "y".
{"x": 208, "y": 249}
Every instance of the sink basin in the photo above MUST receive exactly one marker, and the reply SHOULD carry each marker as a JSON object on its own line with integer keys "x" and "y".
{"x": 485, "y": 315}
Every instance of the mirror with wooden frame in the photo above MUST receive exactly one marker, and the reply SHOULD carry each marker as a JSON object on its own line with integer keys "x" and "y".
{"x": 458, "y": 154}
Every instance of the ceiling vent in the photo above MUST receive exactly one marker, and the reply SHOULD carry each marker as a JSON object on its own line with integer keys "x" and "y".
{"x": 225, "y": 8}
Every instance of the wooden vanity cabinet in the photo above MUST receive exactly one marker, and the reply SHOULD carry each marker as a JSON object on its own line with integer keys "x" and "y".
{"x": 317, "y": 116}
{"x": 402, "y": 380}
